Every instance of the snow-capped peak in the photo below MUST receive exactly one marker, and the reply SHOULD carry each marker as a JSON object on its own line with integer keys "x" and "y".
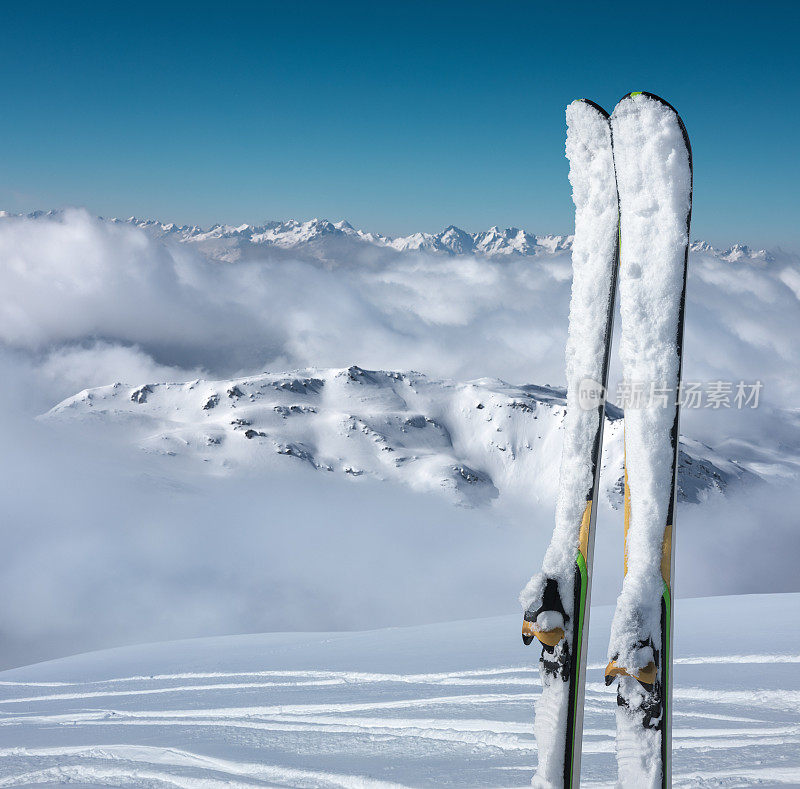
{"x": 743, "y": 252}
{"x": 733, "y": 254}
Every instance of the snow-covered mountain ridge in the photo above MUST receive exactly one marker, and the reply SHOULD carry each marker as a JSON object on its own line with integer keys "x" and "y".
{"x": 511, "y": 241}
{"x": 324, "y": 239}
{"x": 472, "y": 440}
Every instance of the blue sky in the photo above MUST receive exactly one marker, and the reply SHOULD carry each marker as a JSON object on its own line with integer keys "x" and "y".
{"x": 397, "y": 116}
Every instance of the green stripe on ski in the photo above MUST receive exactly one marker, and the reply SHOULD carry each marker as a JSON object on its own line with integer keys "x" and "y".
{"x": 667, "y": 596}
{"x": 581, "y": 562}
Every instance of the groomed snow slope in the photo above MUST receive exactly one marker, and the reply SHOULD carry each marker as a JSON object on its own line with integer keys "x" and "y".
{"x": 436, "y": 705}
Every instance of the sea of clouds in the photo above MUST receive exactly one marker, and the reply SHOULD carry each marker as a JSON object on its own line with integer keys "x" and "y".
{"x": 102, "y": 549}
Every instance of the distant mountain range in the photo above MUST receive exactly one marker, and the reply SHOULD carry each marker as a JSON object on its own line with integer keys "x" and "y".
{"x": 321, "y": 239}
{"x": 328, "y": 240}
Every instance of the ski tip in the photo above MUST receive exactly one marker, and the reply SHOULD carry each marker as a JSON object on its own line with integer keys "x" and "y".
{"x": 592, "y": 104}
{"x": 652, "y": 96}
{"x": 664, "y": 103}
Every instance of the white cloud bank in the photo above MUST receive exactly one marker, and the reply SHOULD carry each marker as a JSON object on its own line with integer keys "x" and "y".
{"x": 98, "y": 551}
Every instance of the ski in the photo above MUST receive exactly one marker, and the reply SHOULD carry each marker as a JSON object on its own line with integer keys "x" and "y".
{"x": 556, "y": 600}
{"x": 653, "y": 163}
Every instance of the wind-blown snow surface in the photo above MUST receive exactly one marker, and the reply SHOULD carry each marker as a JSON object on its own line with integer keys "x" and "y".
{"x": 437, "y": 705}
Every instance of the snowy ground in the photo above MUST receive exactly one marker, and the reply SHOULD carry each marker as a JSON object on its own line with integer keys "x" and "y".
{"x": 432, "y": 705}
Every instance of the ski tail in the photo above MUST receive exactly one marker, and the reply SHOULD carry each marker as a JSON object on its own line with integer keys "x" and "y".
{"x": 651, "y": 148}
{"x": 557, "y": 599}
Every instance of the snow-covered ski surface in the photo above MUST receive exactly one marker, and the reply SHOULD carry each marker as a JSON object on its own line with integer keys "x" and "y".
{"x": 654, "y": 176}
{"x": 594, "y": 261}
{"x": 434, "y": 705}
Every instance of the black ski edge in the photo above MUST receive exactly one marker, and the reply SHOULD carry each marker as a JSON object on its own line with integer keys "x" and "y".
{"x": 667, "y": 625}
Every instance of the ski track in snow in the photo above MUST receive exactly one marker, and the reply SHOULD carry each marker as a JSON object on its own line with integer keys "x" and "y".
{"x": 201, "y": 713}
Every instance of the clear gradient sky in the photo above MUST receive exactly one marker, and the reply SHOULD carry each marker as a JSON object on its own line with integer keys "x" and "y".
{"x": 398, "y": 116}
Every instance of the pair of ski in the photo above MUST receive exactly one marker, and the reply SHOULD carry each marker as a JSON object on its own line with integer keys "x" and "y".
{"x": 631, "y": 175}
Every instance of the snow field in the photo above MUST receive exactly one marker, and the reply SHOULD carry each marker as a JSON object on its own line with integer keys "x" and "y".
{"x": 437, "y": 705}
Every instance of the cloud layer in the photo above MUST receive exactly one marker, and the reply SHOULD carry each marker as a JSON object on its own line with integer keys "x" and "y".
{"x": 100, "y": 549}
